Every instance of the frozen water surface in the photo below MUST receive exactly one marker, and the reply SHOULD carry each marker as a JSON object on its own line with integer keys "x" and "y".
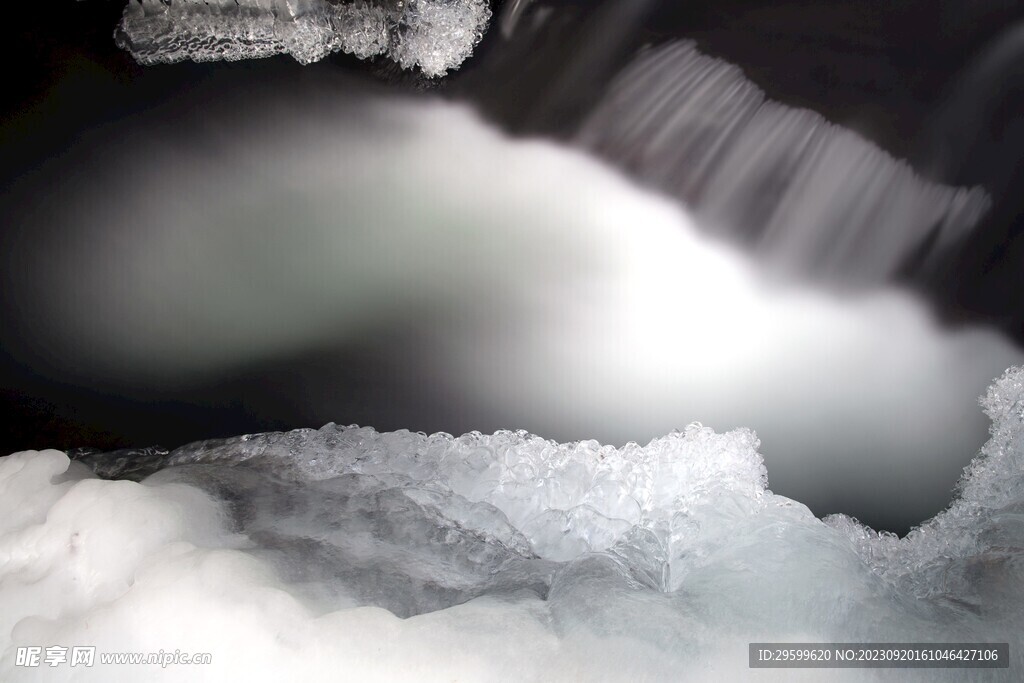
{"x": 341, "y": 549}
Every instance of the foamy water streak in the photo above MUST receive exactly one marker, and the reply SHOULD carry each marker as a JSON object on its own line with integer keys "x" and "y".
{"x": 434, "y": 35}
{"x": 814, "y": 196}
{"x": 276, "y": 553}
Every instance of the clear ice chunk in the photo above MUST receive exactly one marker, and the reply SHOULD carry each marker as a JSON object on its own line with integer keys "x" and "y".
{"x": 435, "y": 36}
{"x": 565, "y": 498}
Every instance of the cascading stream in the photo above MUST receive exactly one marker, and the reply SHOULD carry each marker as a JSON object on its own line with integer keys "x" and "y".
{"x": 810, "y": 196}
{"x": 530, "y": 284}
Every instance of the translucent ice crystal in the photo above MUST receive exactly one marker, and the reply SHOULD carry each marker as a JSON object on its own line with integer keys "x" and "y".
{"x": 433, "y": 35}
{"x": 276, "y": 552}
{"x": 980, "y": 536}
{"x": 566, "y": 498}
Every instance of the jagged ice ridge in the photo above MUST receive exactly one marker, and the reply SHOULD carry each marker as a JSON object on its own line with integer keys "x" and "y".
{"x": 276, "y": 551}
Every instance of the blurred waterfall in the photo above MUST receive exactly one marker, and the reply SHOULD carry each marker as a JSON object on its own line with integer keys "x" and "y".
{"x": 813, "y": 197}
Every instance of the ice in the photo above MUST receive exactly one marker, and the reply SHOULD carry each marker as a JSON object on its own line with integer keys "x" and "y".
{"x": 566, "y": 499}
{"x": 813, "y": 196}
{"x": 277, "y": 552}
{"x": 974, "y": 546}
{"x": 433, "y": 35}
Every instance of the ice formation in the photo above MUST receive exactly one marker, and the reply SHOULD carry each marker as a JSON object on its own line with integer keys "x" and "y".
{"x": 814, "y": 196}
{"x": 433, "y": 35}
{"x": 399, "y": 555}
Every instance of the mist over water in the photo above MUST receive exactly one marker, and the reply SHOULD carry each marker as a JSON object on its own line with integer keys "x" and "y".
{"x": 540, "y": 289}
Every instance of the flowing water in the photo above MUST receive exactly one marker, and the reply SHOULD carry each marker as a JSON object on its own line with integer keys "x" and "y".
{"x": 541, "y": 287}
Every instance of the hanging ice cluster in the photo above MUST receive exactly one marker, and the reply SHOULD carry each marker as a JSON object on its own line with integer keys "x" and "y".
{"x": 433, "y": 35}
